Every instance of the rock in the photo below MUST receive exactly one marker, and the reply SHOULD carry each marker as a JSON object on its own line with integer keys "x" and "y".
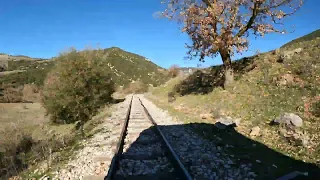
{"x": 255, "y": 131}
{"x": 289, "y": 119}
{"x": 206, "y": 116}
{"x": 224, "y": 122}
{"x": 237, "y": 121}
{"x": 286, "y": 79}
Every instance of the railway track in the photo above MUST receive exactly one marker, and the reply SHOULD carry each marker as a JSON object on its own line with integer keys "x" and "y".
{"x": 143, "y": 152}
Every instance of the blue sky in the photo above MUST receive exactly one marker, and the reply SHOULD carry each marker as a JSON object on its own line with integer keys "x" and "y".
{"x": 43, "y": 28}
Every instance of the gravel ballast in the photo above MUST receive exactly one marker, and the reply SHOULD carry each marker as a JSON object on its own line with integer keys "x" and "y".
{"x": 202, "y": 158}
{"x": 93, "y": 160}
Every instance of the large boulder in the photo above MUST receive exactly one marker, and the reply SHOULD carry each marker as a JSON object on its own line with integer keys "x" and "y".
{"x": 289, "y": 119}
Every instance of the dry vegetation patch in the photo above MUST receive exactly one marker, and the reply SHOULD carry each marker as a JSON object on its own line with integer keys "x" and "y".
{"x": 31, "y": 146}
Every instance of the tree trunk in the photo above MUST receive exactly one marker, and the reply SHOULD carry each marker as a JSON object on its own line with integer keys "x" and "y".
{"x": 82, "y": 130}
{"x": 228, "y": 71}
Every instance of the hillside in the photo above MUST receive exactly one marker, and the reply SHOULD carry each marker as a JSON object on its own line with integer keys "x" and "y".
{"x": 307, "y": 37}
{"x": 125, "y": 67}
{"x": 286, "y": 80}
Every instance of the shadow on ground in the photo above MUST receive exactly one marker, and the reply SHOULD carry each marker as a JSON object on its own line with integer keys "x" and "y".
{"x": 117, "y": 100}
{"x": 266, "y": 163}
{"x": 204, "y": 81}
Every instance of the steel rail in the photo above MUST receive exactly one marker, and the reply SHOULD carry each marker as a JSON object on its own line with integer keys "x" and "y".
{"x": 114, "y": 165}
{"x": 174, "y": 157}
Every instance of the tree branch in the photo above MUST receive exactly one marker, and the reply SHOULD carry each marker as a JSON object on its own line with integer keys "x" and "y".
{"x": 283, "y": 2}
{"x": 208, "y": 3}
{"x": 255, "y": 12}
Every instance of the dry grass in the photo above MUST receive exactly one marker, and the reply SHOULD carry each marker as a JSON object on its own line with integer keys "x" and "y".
{"x": 25, "y": 129}
{"x": 27, "y": 114}
{"x": 135, "y": 87}
{"x": 11, "y": 72}
{"x": 31, "y": 93}
{"x": 27, "y": 93}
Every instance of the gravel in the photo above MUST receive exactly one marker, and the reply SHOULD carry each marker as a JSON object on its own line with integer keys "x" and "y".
{"x": 144, "y": 155}
{"x": 95, "y": 157}
{"x": 202, "y": 158}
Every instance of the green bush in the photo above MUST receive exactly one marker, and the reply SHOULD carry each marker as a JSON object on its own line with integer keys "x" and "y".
{"x": 76, "y": 87}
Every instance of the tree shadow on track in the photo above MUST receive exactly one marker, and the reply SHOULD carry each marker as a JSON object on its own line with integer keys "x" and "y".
{"x": 228, "y": 144}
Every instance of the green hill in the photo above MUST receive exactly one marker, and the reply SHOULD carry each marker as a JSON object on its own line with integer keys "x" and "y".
{"x": 308, "y": 37}
{"x": 124, "y": 66}
{"x": 127, "y": 67}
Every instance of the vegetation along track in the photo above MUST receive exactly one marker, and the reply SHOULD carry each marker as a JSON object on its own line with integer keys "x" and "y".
{"x": 143, "y": 152}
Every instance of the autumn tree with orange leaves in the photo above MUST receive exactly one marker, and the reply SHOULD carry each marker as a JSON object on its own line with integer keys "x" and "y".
{"x": 222, "y": 27}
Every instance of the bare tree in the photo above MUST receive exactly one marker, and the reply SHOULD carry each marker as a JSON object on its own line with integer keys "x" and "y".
{"x": 223, "y": 26}
{"x": 173, "y": 71}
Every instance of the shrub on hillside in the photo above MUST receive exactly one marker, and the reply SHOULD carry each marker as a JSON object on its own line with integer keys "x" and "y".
{"x": 13, "y": 154}
{"x": 20, "y": 150}
{"x": 76, "y": 87}
{"x": 174, "y": 71}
